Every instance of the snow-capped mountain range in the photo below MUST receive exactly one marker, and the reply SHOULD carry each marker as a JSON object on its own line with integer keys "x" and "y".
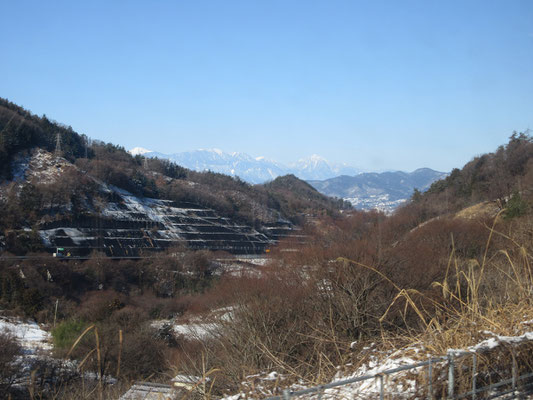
{"x": 250, "y": 169}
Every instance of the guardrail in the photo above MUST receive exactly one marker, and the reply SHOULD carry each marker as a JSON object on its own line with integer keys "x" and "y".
{"x": 441, "y": 378}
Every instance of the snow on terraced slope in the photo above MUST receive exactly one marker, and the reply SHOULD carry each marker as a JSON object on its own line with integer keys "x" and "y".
{"x": 133, "y": 222}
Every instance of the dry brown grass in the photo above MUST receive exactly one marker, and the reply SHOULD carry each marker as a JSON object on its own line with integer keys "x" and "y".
{"x": 492, "y": 294}
{"x": 481, "y": 210}
{"x": 477, "y": 299}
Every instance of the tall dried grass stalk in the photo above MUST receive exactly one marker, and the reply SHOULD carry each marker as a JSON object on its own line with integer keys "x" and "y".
{"x": 79, "y": 339}
{"x": 205, "y": 392}
{"x": 99, "y": 361}
{"x": 119, "y": 351}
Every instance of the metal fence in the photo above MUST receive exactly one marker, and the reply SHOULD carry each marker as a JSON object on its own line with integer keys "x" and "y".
{"x": 459, "y": 375}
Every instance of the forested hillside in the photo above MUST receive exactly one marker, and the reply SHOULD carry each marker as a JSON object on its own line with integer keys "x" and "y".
{"x": 22, "y": 130}
{"x": 504, "y": 176}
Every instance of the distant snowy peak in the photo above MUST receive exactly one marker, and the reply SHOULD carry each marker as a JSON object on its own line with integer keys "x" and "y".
{"x": 250, "y": 169}
{"x": 318, "y": 168}
{"x": 215, "y": 151}
{"x": 313, "y": 160}
{"x": 312, "y": 163}
{"x": 139, "y": 151}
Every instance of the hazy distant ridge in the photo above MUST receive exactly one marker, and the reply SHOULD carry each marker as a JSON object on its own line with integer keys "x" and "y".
{"x": 385, "y": 191}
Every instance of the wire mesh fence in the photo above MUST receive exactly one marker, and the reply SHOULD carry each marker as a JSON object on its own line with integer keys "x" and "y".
{"x": 502, "y": 373}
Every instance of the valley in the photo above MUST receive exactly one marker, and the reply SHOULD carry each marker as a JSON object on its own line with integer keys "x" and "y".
{"x": 168, "y": 271}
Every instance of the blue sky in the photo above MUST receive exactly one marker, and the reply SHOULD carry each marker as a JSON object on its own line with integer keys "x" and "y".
{"x": 376, "y": 84}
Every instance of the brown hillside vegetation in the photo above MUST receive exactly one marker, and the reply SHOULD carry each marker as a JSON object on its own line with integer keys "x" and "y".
{"x": 369, "y": 277}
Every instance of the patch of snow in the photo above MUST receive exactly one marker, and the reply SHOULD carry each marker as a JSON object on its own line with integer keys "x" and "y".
{"x": 196, "y": 331}
{"x": 494, "y": 342}
{"x": 261, "y": 261}
{"x": 193, "y": 330}
{"x": 188, "y": 379}
{"x": 397, "y": 384}
{"x": 29, "y": 334}
{"x": 139, "y": 151}
{"x": 77, "y": 236}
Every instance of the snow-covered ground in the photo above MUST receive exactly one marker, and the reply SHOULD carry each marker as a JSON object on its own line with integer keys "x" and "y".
{"x": 196, "y": 330}
{"x": 37, "y": 351}
{"x": 30, "y": 335}
{"x": 198, "y": 327}
{"x": 400, "y": 384}
{"x": 173, "y": 223}
{"x": 241, "y": 267}
{"x": 259, "y": 261}
{"x": 193, "y": 330}
{"x": 41, "y": 166}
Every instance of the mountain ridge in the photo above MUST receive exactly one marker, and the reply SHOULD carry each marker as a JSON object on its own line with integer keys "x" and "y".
{"x": 382, "y": 190}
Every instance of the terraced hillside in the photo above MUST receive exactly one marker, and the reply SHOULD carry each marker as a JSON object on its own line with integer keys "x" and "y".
{"x": 111, "y": 220}
{"x": 132, "y": 225}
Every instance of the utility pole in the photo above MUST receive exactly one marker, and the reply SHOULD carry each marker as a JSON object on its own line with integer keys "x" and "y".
{"x": 58, "y": 145}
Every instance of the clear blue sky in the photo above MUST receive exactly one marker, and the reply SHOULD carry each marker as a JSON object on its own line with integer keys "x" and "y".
{"x": 376, "y": 84}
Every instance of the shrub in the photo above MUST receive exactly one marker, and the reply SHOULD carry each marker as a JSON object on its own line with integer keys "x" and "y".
{"x": 141, "y": 353}
{"x": 516, "y": 206}
{"x": 9, "y": 370}
{"x": 66, "y": 333}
